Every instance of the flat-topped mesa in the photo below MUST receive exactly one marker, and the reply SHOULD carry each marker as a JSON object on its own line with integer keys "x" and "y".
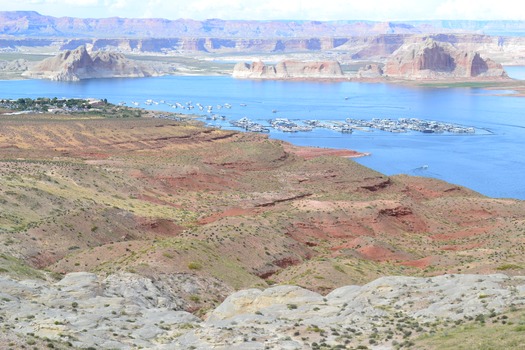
{"x": 430, "y": 59}
{"x": 288, "y": 69}
{"x": 78, "y": 64}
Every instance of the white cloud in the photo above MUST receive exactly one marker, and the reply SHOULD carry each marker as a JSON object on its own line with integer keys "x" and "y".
{"x": 277, "y": 9}
{"x": 44, "y": 3}
{"x": 81, "y": 2}
{"x": 337, "y": 9}
{"x": 115, "y": 5}
{"x": 481, "y": 9}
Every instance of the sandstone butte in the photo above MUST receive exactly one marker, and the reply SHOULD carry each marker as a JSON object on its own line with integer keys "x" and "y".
{"x": 425, "y": 59}
{"x": 431, "y": 59}
{"x": 289, "y": 69}
{"x": 78, "y": 64}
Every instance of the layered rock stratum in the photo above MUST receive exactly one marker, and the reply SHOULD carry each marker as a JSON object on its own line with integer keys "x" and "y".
{"x": 344, "y": 48}
{"x": 78, "y": 64}
{"x": 129, "y": 311}
{"x": 288, "y": 69}
{"x": 431, "y": 59}
{"x": 23, "y": 31}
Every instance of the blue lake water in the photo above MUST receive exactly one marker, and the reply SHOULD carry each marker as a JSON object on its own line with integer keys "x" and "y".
{"x": 491, "y": 161}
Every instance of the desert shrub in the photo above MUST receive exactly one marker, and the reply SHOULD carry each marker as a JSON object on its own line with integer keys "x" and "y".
{"x": 194, "y": 266}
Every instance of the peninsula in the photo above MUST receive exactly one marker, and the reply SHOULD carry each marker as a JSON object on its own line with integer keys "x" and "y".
{"x": 112, "y": 216}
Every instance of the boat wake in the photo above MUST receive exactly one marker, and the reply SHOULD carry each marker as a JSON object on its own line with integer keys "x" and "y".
{"x": 423, "y": 171}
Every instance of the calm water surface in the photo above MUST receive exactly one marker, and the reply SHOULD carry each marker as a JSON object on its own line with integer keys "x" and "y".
{"x": 492, "y": 161}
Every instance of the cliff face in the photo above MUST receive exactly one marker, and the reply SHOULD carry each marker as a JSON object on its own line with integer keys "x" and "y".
{"x": 78, "y": 64}
{"x": 438, "y": 60}
{"x": 288, "y": 69}
{"x": 506, "y": 50}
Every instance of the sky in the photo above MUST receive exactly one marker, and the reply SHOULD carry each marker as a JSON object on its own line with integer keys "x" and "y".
{"x": 322, "y": 10}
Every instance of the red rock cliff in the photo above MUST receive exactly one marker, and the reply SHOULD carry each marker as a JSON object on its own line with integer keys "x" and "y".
{"x": 438, "y": 60}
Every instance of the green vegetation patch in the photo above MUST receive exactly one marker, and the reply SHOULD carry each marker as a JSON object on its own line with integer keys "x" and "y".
{"x": 497, "y": 333}
{"x": 506, "y": 267}
{"x": 184, "y": 255}
{"x": 16, "y": 268}
{"x": 71, "y": 106}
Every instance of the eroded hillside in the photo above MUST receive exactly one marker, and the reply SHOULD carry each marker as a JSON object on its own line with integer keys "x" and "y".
{"x": 165, "y": 198}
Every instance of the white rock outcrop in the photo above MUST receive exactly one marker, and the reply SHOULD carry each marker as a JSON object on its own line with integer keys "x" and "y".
{"x": 128, "y": 311}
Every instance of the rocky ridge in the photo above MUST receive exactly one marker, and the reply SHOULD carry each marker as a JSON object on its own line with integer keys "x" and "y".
{"x": 15, "y": 65}
{"x": 128, "y": 311}
{"x": 14, "y": 68}
{"x": 31, "y": 23}
{"x": 78, "y": 64}
{"x": 431, "y": 59}
{"x": 288, "y": 69}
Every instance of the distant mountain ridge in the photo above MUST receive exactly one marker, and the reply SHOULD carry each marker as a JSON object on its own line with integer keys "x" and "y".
{"x": 31, "y": 23}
